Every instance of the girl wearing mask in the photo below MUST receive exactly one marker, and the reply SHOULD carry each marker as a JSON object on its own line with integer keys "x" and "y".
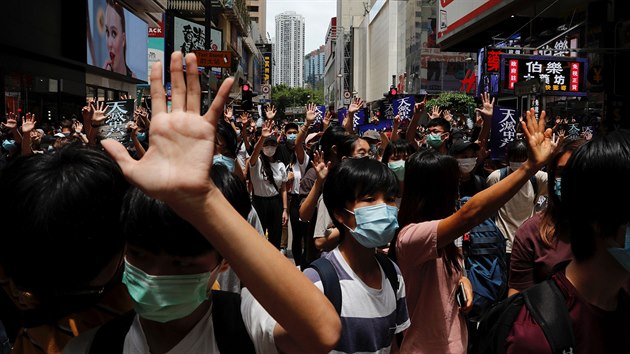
{"x": 268, "y": 178}
{"x": 425, "y": 250}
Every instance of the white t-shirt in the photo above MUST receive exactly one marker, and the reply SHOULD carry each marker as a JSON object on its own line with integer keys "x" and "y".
{"x": 242, "y": 156}
{"x": 199, "y": 340}
{"x": 258, "y": 322}
{"x": 298, "y": 171}
{"x": 323, "y": 222}
{"x": 262, "y": 186}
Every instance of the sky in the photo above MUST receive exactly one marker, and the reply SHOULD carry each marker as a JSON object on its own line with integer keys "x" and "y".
{"x": 317, "y": 15}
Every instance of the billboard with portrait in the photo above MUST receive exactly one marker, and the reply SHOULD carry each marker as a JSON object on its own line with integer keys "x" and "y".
{"x": 116, "y": 39}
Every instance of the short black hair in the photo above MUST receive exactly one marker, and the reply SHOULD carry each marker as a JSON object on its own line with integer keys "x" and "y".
{"x": 66, "y": 204}
{"x": 291, "y": 125}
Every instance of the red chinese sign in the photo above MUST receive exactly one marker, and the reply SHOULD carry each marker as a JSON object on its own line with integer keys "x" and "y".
{"x": 513, "y": 76}
{"x": 493, "y": 61}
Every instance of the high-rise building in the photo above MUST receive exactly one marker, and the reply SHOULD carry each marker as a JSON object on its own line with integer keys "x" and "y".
{"x": 314, "y": 65}
{"x": 258, "y": 13}
{"x": 288, "y": 50}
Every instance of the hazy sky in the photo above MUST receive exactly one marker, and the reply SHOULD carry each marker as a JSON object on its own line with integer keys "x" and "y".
{"x": 317, "y": 15}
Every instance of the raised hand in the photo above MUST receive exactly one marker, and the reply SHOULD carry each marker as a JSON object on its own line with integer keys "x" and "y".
{"x": 447, "y": 115}
{"x": 100, "y": 115}
{"x": 227, "y": 114}
{"x": 540, "y": 143}
{"x": 355, "y": 105}
{"x": 28, "y": 123}
{"x": 77, "y": 126}
{"x": 396, "y": 123}
{"x": 419, "y": 106}
{"x": 267, "y": 128}
{"x": 435, "y": 112}
{"x": 311, "y": 110}
{"x": 320, "y": 165}
{"x": 270, "y": 112}
{"x": 244, "y": 118}
{"x": 11, "y": 121}
{"x": 488, "y": 105}
{"x": 176, "y": 166}
{"x": 326, "y": 119}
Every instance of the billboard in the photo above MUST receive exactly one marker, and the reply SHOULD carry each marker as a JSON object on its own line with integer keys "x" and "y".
{"x": 561, "y": 76}
{"x": 116, "y": 39}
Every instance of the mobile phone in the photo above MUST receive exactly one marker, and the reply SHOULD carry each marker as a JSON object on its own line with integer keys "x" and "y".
{"x": 460, "y": 295}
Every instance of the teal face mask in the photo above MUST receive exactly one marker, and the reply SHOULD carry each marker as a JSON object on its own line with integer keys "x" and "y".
{"x": 434, "y": 140}
{"x": 164, "y": 298}
{"x": 557, "y": 186}
{"x": 398, "y": 167}
{"x": 291, "y": 138}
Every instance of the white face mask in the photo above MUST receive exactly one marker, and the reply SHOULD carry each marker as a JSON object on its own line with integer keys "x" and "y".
{"x": 466, "y": 165}
{"x": 515, "y": 165}
{"x": 269, "y": 150}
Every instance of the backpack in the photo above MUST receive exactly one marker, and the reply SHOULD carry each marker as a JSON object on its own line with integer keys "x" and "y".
{"x": 486, "y": 263}
{"x": 332, "y": 289}
{"x": 229, "y": 330}
{"x": 532, "y": 180}
{"x": 545, "y": 303}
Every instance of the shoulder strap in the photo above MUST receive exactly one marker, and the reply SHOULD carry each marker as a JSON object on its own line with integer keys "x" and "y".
{"x": 330, "y": 281}
{"x": 229, "y": 328}
{"x": 532, "y": 180}
{"x": 110, "y": 337}
{"x": 390, "y": 271}
{"x": 548, "y": 307}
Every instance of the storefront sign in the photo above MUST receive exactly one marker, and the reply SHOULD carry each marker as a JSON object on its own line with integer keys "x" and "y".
{"x": 494, "y": 60}
{"x": 561, "y": 76}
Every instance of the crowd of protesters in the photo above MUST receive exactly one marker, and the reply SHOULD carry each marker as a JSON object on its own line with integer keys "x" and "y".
{"x": 168, "y": 237}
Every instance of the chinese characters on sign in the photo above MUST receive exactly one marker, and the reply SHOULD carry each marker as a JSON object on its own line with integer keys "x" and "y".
{"x": 503, "y": 130}
{"x": 404, "y": 107}
{"x": 493, "y": 61}
{"x": 115, "y": 127}
{"x": 559, "y": 75}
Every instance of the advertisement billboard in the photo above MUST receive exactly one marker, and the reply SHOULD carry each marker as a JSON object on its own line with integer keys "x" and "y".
{"x": 561, "y": 76}
{"x": 116, "y": 39}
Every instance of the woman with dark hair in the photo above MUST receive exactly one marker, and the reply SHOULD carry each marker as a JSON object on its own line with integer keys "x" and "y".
{"x": 538, "y": 247}
{"x": 425, "y": 248}
{"x": 116, "y": 37}
{"x": 226, "y": 149}
{"x": 269, "y": 191}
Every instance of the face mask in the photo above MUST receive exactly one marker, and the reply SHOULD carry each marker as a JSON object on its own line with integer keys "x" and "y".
{"x": 376, "y": 225}
{"x": 269, "y": 150}
{"x": 223, "y": 160}
{"x": 434, "y": 140}
{"x": 398, "y": 167}
{"x": 291, "y": 138}
{"x": 164, "y": 298}
{"x": 141, "y": 136}
{"x": 9, "y": 145}
{"x": 622, "y": 255}
{"x": 467, "y": 165}
{"x": 557, "y": 186}
{"x": 515, "y": 165}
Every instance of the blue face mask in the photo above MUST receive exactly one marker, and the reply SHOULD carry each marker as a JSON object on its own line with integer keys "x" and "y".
{"x": 376, "y": 225}
{"x": 164, "y": 298}
{"x": 557, "y": 186}
{"x": 9, "y": 145}
{"x": 291, "y": 138}
{"x": 223, "y": 160}
{"x": 141, "y": 136}
{"x": 434, "y": 140}
{"x": 398, "y": 167}
{"x": 622, "y": 254}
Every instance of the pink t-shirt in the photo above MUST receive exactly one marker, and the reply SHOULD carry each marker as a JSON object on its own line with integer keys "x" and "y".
{"x": 437, "y": 326}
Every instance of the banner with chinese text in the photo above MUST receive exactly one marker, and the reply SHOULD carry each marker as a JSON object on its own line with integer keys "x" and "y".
{"x": 561, "y": 76}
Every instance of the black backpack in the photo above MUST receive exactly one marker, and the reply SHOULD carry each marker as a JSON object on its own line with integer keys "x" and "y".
{"x": 485, "y": 260}
{"x": 545, "y": 303}
{"x": 229, "y": 329}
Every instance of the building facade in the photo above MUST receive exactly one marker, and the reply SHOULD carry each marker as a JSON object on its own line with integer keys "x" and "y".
{"x": 289, "y": 50}
{"x": 314, "y": 65}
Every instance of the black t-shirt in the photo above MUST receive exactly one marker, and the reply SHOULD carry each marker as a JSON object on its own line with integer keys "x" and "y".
{"x": 472, "y": 186}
